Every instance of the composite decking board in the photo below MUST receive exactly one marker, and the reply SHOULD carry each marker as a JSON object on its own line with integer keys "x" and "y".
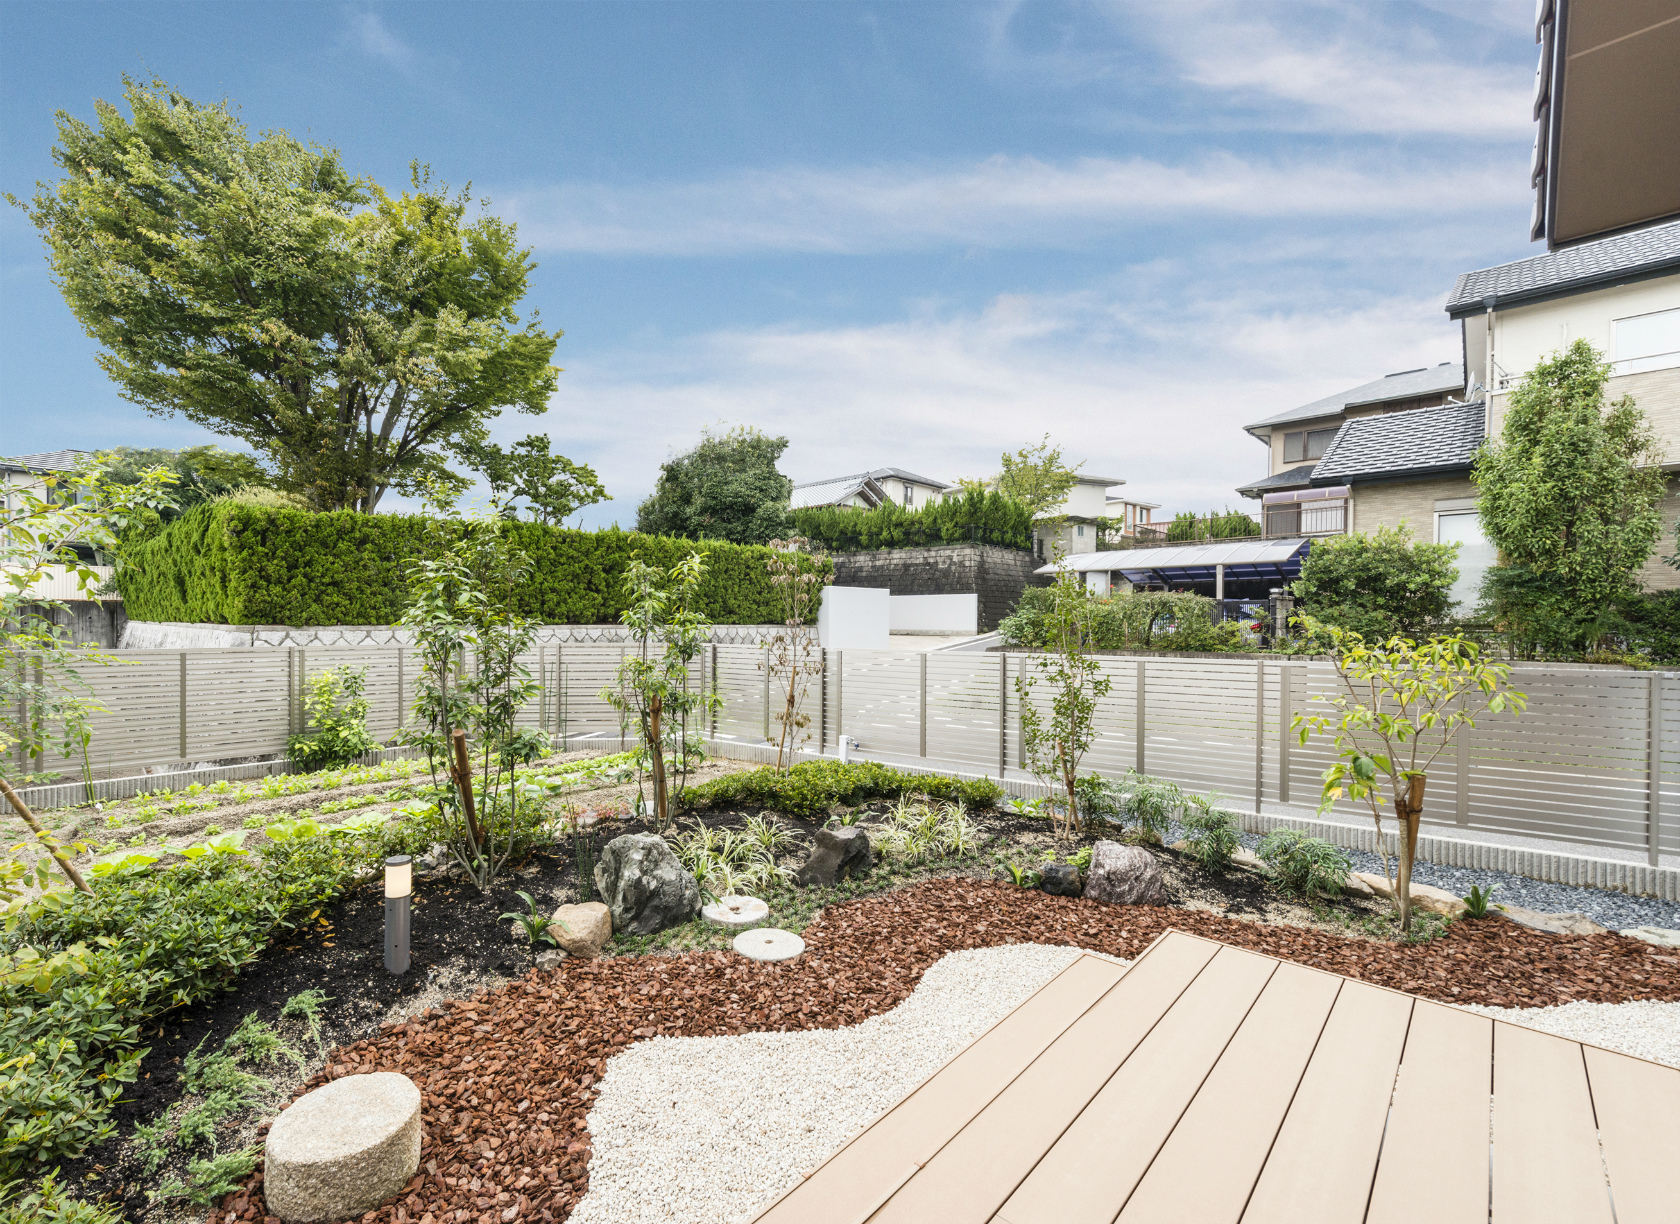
{"x": 1319, "y": 1170}
{"x": 1546, "y": 1162}
{"x": 972, "y": 1175}
{"x": 1638, "y": 1109}
{"x": 1438, "y": 1126}
{"x": 1239, "y": 1108}
{"x": 1089, "y": 1170}
{"x": 846, "y": 1186}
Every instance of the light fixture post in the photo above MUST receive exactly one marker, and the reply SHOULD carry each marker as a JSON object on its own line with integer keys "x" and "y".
{"x": 399, "y": 887}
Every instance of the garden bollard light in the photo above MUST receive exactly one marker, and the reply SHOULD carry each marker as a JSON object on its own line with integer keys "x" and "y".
{"x": 399, "y": 885}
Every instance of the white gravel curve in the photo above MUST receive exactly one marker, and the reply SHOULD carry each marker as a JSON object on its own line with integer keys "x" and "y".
{"x": 709, "y": 1129}
{"x": 1643, "y": 1028}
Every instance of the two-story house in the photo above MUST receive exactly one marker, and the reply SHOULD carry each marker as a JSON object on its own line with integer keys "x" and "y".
{"x": 866, "y": 490}
{"x": 1072, "y": 526}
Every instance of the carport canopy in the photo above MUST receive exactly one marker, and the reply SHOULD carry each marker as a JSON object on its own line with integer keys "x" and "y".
{"x": 1275, "y": 560}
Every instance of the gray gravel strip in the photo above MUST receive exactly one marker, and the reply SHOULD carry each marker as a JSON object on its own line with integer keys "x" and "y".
{"x": 709, "y": 1129}
{"x": 1642, "y": 1028}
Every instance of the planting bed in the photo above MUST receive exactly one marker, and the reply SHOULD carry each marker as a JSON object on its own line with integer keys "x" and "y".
{"x": 508, "y": 1076}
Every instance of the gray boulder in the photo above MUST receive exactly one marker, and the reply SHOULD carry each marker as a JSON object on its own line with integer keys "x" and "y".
{"x": 840, "y": 852}
{"x": 343, "y": 1149}
{"x": 1060, "y": 880}
{"x": 1124, "y": 875}
{"x": 644, "y": 886}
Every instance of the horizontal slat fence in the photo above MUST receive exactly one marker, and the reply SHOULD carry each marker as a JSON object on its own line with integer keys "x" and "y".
{"x": 1594, "y": 760}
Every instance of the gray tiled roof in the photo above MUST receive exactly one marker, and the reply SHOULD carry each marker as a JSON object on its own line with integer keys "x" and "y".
{"x": 1448, "y": 376}
{"x": 911, "y": 477}
{"x": 831, "y": 492}
{"x": 1403, "y": 443}
{"x": 47, "y": 461}
{"x": 1647, "y": 250}
{"x": 1293, "y": 478}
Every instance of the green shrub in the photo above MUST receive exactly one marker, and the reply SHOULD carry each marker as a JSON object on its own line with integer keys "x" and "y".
{"x": 1306, "y": 866}
{"x": 47, "y": 1203}
{"x": 337, "y": 710}
{"x": 1212, "y": 838}
{"x": 1131, "y": 620}
{"x": 1378, "y": 585}
{"x": 239, "y": 564}
{"x": 986, "y": 518}
{"x": 812, "y": 787}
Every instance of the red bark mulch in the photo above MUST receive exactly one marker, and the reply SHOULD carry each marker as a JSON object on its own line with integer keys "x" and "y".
{"x": 507, "y": 1079}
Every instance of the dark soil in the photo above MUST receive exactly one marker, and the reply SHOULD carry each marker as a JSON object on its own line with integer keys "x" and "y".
{"x": 507, "y": 1078}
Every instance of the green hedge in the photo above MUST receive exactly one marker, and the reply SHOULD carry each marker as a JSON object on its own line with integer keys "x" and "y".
{"x": 987, "y": 518}
{"x": 811, "y": 788}
{"x": 234, "y": 564}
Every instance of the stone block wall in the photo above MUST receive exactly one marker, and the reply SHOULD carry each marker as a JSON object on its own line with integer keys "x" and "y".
{"x": 996, "y": 575}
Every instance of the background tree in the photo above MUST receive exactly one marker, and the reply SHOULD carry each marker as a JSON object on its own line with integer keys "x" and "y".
{"x": 1569, "y": 495}
{"x": 552, "y": 485}
{"x": 1036, "y": 477}
{"x": 202, "y": 474}
{"x": 726, "y": 488}
{"x": 1378, "y": 585}
{"x": 257, "y": 289}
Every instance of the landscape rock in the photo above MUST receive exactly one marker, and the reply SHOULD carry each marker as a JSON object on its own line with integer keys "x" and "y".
{"x": 768, "y": 944}
{"x": 1353, "y": 886}
{"x": 736, "y": 913}
{"x": 1557, "y": 924}
{"x": 644, "y": 886}
{"x": 1245, "y": 858}
{"x": 1061, "y": 880}
{"x": 586, "y": 929}
{"x": 1662, "y": 937}
{"x": 1424, "y": 896}
{"x": 550, "y": 960}
{"x": 1124, "y": 875}
{"x": 343, "y": 1149}
{"x": 839, "y": 853}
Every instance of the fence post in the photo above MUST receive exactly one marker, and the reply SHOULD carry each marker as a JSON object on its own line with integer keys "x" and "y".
{"x": 822, "y": 702}
{"x": 1259, "y": 732}
{"x": 400, "y": 693}
{"x": 1653, "y": 799}
{"x": 1003, "y": 714}
{"x": 714, "y": 689}
{"x": 923, "y": 703}
{"x": 183, "y": 722}
{"x": 766, "y": 694}
{"x": 1286, "y": 679}
{"x": 839, "y": 695}
{"x": 1461, "y": 779}
{"x": 1138, "y": 716}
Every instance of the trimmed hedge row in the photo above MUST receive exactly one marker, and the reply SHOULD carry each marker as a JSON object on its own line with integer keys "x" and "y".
{"x": 985, "y": 518}
{"x": 812, "y": 787}
{"x": 233, "y": 564}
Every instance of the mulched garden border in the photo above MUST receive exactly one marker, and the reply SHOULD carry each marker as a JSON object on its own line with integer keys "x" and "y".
{"x": 508, "y": 1078}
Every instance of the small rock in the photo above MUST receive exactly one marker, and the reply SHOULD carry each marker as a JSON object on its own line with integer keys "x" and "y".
{"x": 1124, "y": 875}
{"x": 769, "y": 944}
{"x": 582, "y": 930}
{"x": 839, "y": 853}
{"x": 1353, "y": 886}
{"x": 1061, "y": 880}
{"x": 343, "y": 1149}
{"x": 736, "y": 913}
{"x": 644, "y": 885}
{"x": 1245, "y": 858}
{"x": 1424, "y": 896}
{"x": 1555, "y": 924}
{"x": 550, "y": 960}
{"x": 1661, "y": 936}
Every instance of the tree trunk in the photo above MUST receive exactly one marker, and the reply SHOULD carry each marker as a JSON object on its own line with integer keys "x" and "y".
{"x": 463, "y": 782}
{"x": 45, "y": 838}
{"x": 658, "y": 749}
{"x": 1408, "y": 808}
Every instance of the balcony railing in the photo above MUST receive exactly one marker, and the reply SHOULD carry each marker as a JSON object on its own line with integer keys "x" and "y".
{"x": 1318, "y": 517}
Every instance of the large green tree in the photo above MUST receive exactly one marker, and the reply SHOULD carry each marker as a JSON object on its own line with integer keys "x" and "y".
{"x": 552, "y": 485}
{"x": 726, "y": 488}
{"x": 1569, "y": 494}
{"x": 202, "y": 473}
{"x": 257, "y": 288}
{"x": 1036, "y": 477}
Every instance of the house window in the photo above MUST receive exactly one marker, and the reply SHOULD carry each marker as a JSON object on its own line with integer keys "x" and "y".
{"x": 909, "y": 496}
{"x": 1645, "y": 342}
{"x": 1475, "y": 554}
{"x": 1303, "y": 446}
{"x": 1081, "y": 529}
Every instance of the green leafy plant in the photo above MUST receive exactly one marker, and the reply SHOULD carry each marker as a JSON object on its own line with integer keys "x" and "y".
{"x": 792, "y": 655}
{"x": 307, "y": 1007}
{"x": 46, "y": 1202}
{"x": 534, "y": 922}
{"x": 978, "y": 516}
{"x": 811, "y": 788}
{"x": 336, "y": 708}
{"x": 1402, "y": 704}
{"x": 1307, "y": 866}
{"x": 1478, "y": 899}
{"x": 1377, "y": 585}
{"x": 1212, "y": 836}
{"x": 1022, "y": 877}
{"x": 1081, "y": 859}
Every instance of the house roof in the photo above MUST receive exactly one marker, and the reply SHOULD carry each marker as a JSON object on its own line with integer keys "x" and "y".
{"x": 1415, "y": 443}
{"x": 1448, "y": 376}
{"x": 1132, "y": 501}
{"x": 838, "y": 489}
{"x": 910, "y": 477}
{"x": 1640, "y": 253}
{"x": 1294, "y": 478}
{"x": 1241, "y": 559}
{"x": 47, "y": 461}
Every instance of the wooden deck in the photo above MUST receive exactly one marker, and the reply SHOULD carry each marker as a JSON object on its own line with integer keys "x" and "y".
{"x": 1206, "y": 1084}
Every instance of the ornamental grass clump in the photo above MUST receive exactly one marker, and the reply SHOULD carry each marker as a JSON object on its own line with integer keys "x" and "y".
{"x": 1308, "y": 867}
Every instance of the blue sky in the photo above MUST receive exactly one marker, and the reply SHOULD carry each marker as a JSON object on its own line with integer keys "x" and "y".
{"x": 900, "y": 234}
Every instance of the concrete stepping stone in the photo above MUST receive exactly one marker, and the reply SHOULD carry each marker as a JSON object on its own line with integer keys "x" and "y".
{"x": 739, "y": 913}
{"x": 769, "y": 944}
{"x": 343, "y": 1149}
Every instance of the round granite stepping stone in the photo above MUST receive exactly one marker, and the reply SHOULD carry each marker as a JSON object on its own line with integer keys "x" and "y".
{"x": 737, "y": 912}
{"x": 343, "y": 1149}
{"x": 769, "y": 944}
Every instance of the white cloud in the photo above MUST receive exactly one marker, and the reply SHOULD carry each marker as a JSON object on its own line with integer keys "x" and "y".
{"x": 1159, "y": 399}
{"x": 370, "y": 34}
{"x": 1001, "y": 201}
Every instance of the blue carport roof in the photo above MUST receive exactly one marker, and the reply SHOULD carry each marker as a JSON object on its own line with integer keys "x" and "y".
{"x": 1193, "y": 562}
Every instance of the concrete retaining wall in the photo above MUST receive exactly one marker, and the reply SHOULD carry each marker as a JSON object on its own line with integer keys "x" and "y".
{"x": 996, "y": 575}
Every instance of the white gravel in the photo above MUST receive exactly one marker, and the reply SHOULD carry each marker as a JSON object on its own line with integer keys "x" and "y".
{"x": 1642, "y": 1028}
{"x": 709, "y": 1129}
